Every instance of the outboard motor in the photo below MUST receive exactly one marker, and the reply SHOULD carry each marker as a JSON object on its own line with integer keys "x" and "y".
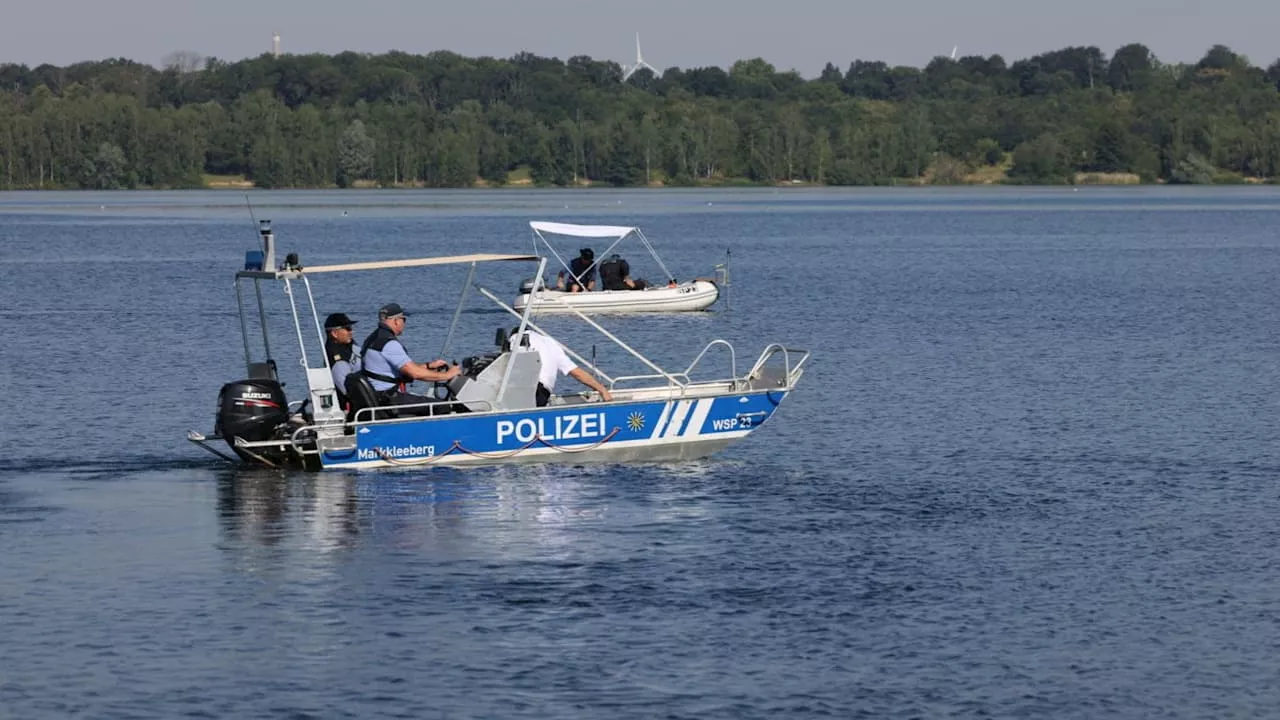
{"x": 526, "y": 287}
{"x": 250, "y": 409}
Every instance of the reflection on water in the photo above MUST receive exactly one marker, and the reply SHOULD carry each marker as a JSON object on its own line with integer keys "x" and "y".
{"x": 266, "y": 507}
{"x": 1036, "y": 450}
{"x": 502, "y": 513}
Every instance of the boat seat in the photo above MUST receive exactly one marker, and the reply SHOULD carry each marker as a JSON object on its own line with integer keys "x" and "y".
{"x": 361, "y": 395}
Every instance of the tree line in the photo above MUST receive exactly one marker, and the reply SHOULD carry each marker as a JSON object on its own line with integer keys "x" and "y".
{"x": 444, "y": 120}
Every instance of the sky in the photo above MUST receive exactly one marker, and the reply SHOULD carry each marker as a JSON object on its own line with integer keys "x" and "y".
{"x": 800, "y": 35}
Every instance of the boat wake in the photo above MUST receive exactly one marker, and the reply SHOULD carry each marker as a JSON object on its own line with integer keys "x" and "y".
{"x": 140, "y": 463}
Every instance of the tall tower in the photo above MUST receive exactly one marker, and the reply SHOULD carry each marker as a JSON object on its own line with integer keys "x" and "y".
{"x": 275, "y": 44}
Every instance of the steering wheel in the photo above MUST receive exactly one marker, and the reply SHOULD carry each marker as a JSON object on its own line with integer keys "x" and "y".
{"x": 442, "y": 391}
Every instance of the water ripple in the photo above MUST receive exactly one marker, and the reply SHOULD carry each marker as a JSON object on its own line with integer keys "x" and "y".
{"x": 1031, "y": 473}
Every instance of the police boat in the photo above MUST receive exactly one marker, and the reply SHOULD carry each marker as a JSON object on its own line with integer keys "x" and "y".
{"x": 486, "y": 415}
{"x": 664, "y": 296}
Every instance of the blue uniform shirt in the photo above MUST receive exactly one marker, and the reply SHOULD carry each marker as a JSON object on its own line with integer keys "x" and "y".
{"x": 387, "y": 362}
{"x": 341, "y": 369}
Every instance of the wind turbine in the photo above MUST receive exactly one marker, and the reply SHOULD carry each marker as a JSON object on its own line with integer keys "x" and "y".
{"x": 629, "y": 70}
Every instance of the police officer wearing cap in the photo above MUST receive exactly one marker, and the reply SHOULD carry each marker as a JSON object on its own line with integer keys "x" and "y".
{"x": 339, "y": 348}
{"x": 387, "y": 364}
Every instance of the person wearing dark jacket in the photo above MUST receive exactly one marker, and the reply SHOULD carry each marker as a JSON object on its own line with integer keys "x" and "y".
{"x": 339, "y": 348}
{"x": 389, "y": 368}
{"x": 582, "y": 272}
{"x": 615, "y": 274}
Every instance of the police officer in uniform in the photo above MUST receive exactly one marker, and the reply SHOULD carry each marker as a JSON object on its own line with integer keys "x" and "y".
{"x": 339, "y": 348}
{"x": 387, "y": 364}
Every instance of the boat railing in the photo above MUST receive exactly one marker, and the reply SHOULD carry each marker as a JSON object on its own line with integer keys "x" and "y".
{"x": 368, "y": 416}
{"x": 791, "y": 371}
{"x": 303, "y": 439}
{"x": 364, "y": 417}
{"x": 682, "y": 380}
{"x": 675, "y": 381}
{"x": 733, "y": 358}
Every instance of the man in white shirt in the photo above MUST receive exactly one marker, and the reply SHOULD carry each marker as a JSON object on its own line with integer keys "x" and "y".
{"x": 556, "y": 362}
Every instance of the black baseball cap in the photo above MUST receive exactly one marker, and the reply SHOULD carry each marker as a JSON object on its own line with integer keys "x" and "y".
{"x": 338, "y": 320}
{"x": 390, "y": 310}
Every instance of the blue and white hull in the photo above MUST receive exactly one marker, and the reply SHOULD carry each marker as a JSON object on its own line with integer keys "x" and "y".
{"x": 637, "y": 431}
{"x": 484, "y": 410}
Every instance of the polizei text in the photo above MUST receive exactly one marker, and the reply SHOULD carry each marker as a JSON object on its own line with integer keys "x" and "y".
{"x": 587, "y": 426}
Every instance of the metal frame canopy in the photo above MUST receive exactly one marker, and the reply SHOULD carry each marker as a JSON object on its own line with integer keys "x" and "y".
{"x": 295, "y": 271}
{"x": 617, "y": 233}
{"x": 417, "y": 262}
{"x": 319, "y": 381}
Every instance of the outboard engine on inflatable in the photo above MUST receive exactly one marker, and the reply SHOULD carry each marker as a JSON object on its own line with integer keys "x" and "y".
{"x": 526, "y": 287}
{"x": 250, "y": 409}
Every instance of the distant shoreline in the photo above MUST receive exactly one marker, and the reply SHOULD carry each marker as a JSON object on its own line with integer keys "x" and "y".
{"x": 988, "y": 177}
{"x": 972, "y": 180}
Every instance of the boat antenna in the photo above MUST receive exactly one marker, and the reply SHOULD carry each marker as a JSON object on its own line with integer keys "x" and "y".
{"x": 252, "y": 218}
{"x": 722, "y": 275}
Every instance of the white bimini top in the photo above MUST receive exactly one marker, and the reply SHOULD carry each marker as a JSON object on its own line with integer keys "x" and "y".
{"x": 583, "y": 231}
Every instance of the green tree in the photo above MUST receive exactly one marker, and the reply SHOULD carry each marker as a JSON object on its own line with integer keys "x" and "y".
{"x": 988, "y": 152}
{"x": 1042, "y": 160}
{"x": 355, "y": 154}
{"x": 108, "y": 166}
{"x": 625, "y": 166}
{"x": 442, "y": 119}
{"x": 548, "y": 166}
{"x": 1194, "y": 169}
{"x": 1219, "y": 57}
{"x": 1130, "y": 68}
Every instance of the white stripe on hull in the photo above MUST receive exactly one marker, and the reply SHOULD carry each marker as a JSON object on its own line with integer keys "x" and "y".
{"x": 662, "y": 419}
{"x": 677, "y": 417}
{"x": 700, "y": 413}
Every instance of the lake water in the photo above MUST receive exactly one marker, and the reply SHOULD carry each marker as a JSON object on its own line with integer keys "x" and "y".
{"x": 1032, "y": 471}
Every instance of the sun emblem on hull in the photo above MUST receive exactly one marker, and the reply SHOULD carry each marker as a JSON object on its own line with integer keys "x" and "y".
{"x": 635, "y": 421}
